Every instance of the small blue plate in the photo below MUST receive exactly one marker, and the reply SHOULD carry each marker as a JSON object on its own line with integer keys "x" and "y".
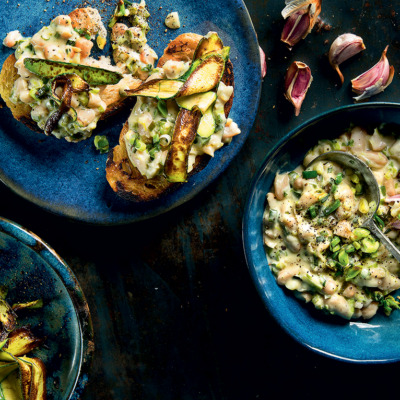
{"x": 69, "y": 179}
{"x": 32, "y": 270}
{"x": 373, "y": 341}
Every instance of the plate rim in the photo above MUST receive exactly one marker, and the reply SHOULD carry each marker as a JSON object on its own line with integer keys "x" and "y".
{"x": 246, "y": 243}
{"x": 74, "y": 290}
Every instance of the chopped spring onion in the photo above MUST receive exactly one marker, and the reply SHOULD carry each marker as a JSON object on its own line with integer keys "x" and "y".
{"x": 310, "y": 174}
{"x": 338, "y": 179}
{"x": 312, "y": 211}
{"x": 330, "y": 209}
{"x": 379, "y": 221}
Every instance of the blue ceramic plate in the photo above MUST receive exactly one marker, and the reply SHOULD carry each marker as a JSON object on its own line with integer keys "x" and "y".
{"x": 69, "y": 179}
{"x": 375, "y": 341}
{"x": 31, "y": 270}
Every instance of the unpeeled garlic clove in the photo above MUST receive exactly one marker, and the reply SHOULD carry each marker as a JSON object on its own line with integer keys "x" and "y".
{"x": 297, "y": 81}
{"x": 375, "y": 80}
{"x": 301, "y": 16}
{"x": 263, "y": 63}
{"x": 344, "y": 47}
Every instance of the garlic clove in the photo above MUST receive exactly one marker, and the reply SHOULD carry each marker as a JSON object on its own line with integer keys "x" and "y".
{"x": 375, "y": 80}
{"x": 344, "y": 47}
{"x": 301, "y": 17}
{"x": 297, "y": 81}
{"x": 296, "y": 27}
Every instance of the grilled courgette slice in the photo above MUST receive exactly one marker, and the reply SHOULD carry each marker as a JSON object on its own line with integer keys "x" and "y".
{"x": 161, "y": 89}
{"x": 207, "y": 44}
{"x": 207, "y": 124}
{"x": 202, "y": 101}
{"x": 205, "y": 77}
{"x": 187, "y": 122}
{"x": 91, "y": 75}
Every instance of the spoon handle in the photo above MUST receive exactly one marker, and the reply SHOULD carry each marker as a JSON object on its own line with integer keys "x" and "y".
{"x": 371, "y": 225}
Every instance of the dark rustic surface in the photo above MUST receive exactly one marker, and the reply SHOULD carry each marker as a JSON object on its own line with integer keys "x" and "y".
{"x": 175, "y": 313}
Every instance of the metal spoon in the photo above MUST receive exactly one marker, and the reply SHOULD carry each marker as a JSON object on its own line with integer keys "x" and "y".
{"x": 372, "y": 189}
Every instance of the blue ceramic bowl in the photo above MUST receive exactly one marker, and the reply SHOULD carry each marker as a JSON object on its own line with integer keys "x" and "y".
{"x": 373, "y": 341}
{"x": 31, "y": 270}
{"x": 69, "y": 178}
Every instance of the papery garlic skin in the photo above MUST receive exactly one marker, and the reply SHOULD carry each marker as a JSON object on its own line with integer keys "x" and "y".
{"x": 375, "y": 80}
{"x": 344, "y": 47}
{"x": 301, "y": 16}
{"x": 297, "y": 81}
{"x": 263, "y": 62}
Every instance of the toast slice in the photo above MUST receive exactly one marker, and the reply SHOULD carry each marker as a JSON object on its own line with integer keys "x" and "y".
{"x": 81, "y": 18}
{"x": 123, "y": 177}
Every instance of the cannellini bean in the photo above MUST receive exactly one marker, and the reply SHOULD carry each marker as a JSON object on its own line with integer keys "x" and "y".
{"x": 378, "y": 272}
{"x": 369, "y": 311}
{"x": 287, "y": 273}
{"x": 64, "y": 28}
{"x": 359, "y": 136}
{"x": 85, "y": 117}
{"x": 85, "y": 46}
{"x": 330, "y": 287}
{"x": 306, "y": 231}
{"x": 292, "y": 242}
{"x": 174, "y": 69}
{"x": 12, "y": 39}
{"x": 349, "y": 292}
{"x": 21, "y": 87}
{"x": 308, "y": 198}
{"x": 231, "y": 129}
{"x": 52, "y": 52}
{"x": 389, "y": 282}
{"x": 376, "y": 141}
{"x": 148, "y": 55}
{"x": 339, "y": 305}
{"x": 272, "y": 202}
{"x": 118, "y": 30}
{"x": 346, "y": 196}
{"x": 343, "y": 229}
{"x": 74, "y": 101}
{"x": 373, "y": 159}
{"x": 94, "y": 101}
{"x": 281, "y": 185}
{"x": 389, "y": 185}
{"x": 298, "y": 183}
{"x": 63, "y": 20}
{"x": 288, "y": 217}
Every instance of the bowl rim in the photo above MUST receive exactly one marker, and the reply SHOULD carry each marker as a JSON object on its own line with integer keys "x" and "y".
{"x": 246, "y": 237}
{"x": 69, "y": 280}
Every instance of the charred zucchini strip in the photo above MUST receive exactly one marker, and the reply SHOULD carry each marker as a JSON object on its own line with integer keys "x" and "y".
{"x": 11, "y": 387}
{"x": 30, "y": 305}
{"x": 161, "y": 89}
{"x": 201, "y": 100}
{"x": 38, "y": 380}
{"x": 92, "y": 75}
{"x": 207, "y": 44}
{"x": 7, "y": 316}
{"x": 175, "y": 168}
{"x": 224, "y": 53}
{"x": 22, "y": 341}
{"x": 205, "y": 77}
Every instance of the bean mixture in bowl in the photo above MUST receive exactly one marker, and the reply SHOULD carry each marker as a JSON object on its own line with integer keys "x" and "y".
{"x": 314, "y": 240}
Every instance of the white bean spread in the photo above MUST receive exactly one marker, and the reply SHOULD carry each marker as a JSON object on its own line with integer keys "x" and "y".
{"x": 315, "y": 244}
